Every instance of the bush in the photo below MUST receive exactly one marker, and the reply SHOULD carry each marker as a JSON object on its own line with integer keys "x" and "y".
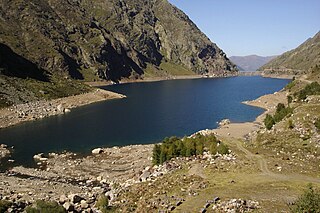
{"x": 290, "y": 124}
{"x": 222, "y": 149}
{"x": 45, "y": 207}
{"x": 310, "y": 89}
{"x": 269, "y": 122}
{"x": 281, "y": 112}
{"x": 4, "y": 205}
{"x": 102, "y": 203}
{"x": 289, "y": 99}
{"x": 317, "y": 123}
{"x": 308, "y": 202}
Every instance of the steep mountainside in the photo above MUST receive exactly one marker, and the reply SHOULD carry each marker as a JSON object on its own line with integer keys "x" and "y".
{"x": 250, "y": 62}
{"x": 298, "y": 60}
{"x": 107, "y": 39}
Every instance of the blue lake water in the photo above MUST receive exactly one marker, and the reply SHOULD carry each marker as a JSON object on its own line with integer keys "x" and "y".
{"x": 150, "y": 112}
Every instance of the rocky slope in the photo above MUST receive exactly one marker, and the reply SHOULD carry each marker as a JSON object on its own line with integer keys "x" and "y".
{"x": 298, "y": 60}
{"x": 108, "y": 39}
{"x": 250, "y": 62}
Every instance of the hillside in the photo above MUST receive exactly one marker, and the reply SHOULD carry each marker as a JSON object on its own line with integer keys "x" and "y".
{"x": 298, "y": 60}
{"x": 106, "y": 39}
{"x": 250, "y": 62}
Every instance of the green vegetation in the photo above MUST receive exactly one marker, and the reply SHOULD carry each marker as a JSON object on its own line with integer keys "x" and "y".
{"x": 308, "y": 202}
{"x": 4, "y": 205}
{"x": 269, "y": 122}
{"x": 186, "y": 147}
{"x": 281, "y": 112}
{"x": 103, "y": 204}
{"x": 175, "y": 69}
{"x": 45, "y": 207}
{"x": 317, "y": 123}
{"x": 311, "y": 89}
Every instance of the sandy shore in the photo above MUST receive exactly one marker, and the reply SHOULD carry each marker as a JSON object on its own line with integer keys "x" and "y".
{"x": 240, "y": 130}
{"x": 37, "y": 110}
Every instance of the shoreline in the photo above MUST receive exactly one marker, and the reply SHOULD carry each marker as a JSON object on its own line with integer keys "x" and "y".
{"x": 154, "y": 79}
{"x": 21, "y": 113}
{"x": 241, "y": 130}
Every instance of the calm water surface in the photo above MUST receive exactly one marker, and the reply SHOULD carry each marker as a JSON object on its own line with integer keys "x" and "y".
{"x": 150, "y": 112}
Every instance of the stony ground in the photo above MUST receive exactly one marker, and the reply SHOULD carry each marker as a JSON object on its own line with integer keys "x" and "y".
{"x": 42, "y": 109}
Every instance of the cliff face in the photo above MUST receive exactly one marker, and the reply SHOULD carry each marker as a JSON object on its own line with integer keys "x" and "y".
{"x": 298, "y": 60}
{"x": 107, "y": 39}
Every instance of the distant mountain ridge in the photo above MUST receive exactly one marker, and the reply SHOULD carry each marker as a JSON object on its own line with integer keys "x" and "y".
{"x": 298, "y": 60}
{"x": 250, "y": 62}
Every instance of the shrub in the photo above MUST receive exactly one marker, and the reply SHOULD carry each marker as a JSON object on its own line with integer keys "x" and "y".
{"x": 4, "y": 205}
{"x": 281, "y": 112}
{"x": 290, "y": 124}
{"x": 102, "y": 203}
{"x": 269, "y": 122}
{"x": 289, "y": 99}
{"x": 308, "y": 202}
{"x": 222, "y": 149}
{"x": 45, "y": 207}
{"x": 317, "y": 123}
{"x": 311, "y": 89}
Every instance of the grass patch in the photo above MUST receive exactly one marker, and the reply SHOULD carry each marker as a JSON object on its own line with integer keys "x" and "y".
{"x": 45, "y": 207}
{"x": 175, "y": 69}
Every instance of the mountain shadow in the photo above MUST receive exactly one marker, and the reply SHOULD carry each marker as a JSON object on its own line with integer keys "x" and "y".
{"x": 14, "y": 65}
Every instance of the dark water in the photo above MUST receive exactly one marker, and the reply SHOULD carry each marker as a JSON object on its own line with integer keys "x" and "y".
{"x": 150, "y": 112}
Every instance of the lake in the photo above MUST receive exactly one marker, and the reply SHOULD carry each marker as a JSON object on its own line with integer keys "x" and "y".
{"x": 151, "y": 112}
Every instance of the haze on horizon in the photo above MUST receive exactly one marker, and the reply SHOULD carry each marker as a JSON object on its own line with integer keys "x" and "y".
{"x": 250, "y": 27}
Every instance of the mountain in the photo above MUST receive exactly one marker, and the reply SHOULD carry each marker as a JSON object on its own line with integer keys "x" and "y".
{"x": 298, "y": 60}
{"x": 103, "y": 39}
{"x": 250, "y": 62}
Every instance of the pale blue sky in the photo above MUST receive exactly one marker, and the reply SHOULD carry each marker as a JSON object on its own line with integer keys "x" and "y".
{"x": 262, "y": 27}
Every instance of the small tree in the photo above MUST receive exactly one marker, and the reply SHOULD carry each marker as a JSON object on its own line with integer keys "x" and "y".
{"x": 289, "y": 99}
{"x": 269, "y": 121}
{"x": 156, "y": 154}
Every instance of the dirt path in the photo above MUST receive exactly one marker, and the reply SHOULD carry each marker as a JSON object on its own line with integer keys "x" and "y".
{"x": 263, "y": 166}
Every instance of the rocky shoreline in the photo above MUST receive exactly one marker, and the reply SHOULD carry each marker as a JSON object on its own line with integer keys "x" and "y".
{"x": 41, "y": 109}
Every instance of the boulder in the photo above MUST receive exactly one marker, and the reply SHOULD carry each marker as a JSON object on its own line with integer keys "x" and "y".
{"x": 67, "y": 110}
{"x": 97, "y": 151}
{"x": 84, "y": 204}
{"x": 74, "y": 198}
{"x": 68, "y": 206}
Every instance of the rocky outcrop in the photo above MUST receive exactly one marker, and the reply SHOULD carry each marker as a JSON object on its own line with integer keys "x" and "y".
{"x": 108, "y": 39}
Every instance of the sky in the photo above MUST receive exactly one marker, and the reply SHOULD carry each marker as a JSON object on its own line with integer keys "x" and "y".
{"x": 261, "y": 27}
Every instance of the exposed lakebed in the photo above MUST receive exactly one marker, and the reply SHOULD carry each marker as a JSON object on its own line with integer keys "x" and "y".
{"x": 151, "y": 111}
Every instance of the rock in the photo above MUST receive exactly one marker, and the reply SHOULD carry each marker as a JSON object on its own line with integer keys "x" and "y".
{"x": 84, "y": 204}
{"x": 224, "y": 122}
{"x": 38, "y": 156}
{"x": 63, "y": 199}
{"x": 68, "y": 206}
{"x": 74, "y": 198}
{"x": 67, "y": 110}
{"x": 145, "y": 175}
{"x": 97, "y": 151}
{"x": 60, "y": 108}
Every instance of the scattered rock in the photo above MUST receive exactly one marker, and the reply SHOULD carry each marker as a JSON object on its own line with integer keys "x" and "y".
{"x": 97, "y": 151}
